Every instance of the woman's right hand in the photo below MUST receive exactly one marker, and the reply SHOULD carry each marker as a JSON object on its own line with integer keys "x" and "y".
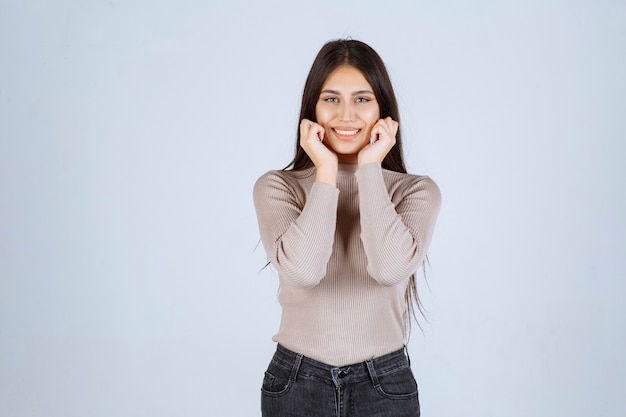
{"x": 325, "y": 160}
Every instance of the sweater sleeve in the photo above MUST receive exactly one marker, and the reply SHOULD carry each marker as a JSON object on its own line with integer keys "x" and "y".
{"x": 395, "y": 236}
{"x": 297, "y": 235}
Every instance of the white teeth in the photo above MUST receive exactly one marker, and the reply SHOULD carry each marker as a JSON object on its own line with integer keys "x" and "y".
{"x": 346, "y": 132}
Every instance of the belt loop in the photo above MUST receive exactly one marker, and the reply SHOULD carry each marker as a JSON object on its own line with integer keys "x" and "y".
{"x": 296, "y": 367}
{"x": 372, "y": 372}
{"x": 406, "y": 352}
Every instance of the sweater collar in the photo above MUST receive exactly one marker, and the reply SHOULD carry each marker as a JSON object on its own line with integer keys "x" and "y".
{"x": 347, "y": 169}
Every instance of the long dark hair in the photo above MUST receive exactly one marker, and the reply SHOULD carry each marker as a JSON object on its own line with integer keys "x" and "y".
{"x": 362, "y": 57}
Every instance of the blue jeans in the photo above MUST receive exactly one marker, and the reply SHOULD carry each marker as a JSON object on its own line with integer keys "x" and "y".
{"x": 295, "y": 386}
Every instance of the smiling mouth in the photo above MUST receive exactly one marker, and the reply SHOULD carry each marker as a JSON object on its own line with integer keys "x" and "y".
{"x": 346, "y": 134}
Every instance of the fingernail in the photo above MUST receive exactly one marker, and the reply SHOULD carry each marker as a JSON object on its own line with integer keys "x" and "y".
{"x": 371, "y": 140}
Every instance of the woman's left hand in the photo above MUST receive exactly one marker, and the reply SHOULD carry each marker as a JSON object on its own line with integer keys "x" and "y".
{"x": 384, "y": 136}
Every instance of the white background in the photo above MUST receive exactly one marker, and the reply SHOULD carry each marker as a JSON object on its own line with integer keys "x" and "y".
{"x": 131, "y": 133}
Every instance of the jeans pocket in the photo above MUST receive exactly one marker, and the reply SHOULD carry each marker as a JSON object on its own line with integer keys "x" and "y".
{"x": 397, "y": 384}
{"x": 276, "y": 381}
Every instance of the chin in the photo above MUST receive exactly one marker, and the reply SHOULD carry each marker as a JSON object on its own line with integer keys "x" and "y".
{"x": 347, "y": 149}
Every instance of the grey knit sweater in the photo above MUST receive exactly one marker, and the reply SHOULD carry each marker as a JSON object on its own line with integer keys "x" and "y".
{"x": 344, "y": 256}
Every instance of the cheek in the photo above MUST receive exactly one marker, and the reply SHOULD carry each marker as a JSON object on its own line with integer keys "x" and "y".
{"x": 322, "y": 116}
{"x": 371, "y": 113}
{"x": 371, "y": 117}
{"x": 323, "y": 119}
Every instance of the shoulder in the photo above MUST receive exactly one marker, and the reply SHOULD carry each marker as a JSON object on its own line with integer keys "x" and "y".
{"x": 408, "y": 184}
{"x": 280, "y": 180}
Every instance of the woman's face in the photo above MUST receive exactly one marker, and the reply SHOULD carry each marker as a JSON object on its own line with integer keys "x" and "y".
{"x": 347, "y": 110}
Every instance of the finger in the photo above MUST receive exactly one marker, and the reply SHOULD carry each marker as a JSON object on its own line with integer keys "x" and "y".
{"x": 392, "y": 126}
{"x": 305, "y": 126}
{"x": 380, "y": 131}
{"x": 310, "y": 134}
{"x": 319, "y": 131}
{"x": 376, "y": 131}
{"x": 309, "y": 131}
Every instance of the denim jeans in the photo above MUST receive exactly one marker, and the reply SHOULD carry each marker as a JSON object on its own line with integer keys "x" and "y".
{"x": 295, "y": 386}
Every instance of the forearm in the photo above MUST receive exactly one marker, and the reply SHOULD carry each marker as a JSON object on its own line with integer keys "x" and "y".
{"x": 297, "y": 242}
{"x": 395, "y": 235}
{"x": 327, "y": 175}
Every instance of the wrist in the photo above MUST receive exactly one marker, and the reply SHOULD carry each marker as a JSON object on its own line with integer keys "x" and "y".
{"x": 327, "y": 174}
{"x": 365, "y": 161}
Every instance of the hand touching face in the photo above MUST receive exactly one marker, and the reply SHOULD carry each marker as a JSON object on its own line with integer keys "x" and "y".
{"x": 382, "y": 140}
{"x": 311, "y": 139}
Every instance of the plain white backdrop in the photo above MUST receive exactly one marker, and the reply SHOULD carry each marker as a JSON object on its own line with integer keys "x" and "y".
{"x": 131, "y": 133}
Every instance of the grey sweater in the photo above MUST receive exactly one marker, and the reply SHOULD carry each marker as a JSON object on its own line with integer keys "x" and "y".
{"x": 344, "y": 256}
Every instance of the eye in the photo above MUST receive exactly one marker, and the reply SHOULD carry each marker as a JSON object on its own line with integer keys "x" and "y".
{"x": 331, "y": 99}
{"x": 362, "y": 100}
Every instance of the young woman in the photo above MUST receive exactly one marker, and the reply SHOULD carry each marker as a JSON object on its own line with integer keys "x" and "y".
{"x": 346, "y": 228}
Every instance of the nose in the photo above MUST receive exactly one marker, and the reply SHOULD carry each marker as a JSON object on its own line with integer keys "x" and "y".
{"x": 347, "y": 112}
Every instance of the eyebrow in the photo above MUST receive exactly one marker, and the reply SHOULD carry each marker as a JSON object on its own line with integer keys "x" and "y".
{"x": 356, "y": 93}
